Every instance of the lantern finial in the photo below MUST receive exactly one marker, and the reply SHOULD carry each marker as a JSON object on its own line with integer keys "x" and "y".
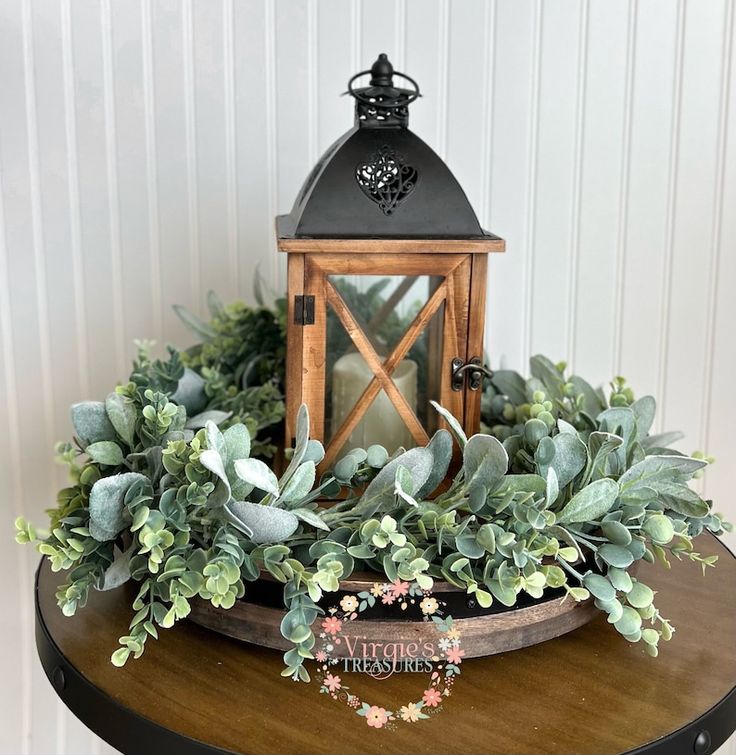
{"x": 381, "y": 103}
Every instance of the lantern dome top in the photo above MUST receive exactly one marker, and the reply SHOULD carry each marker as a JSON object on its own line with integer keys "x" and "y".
{"x": 380, "y": 180}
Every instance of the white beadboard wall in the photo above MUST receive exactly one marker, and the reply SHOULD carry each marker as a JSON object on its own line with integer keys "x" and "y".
{"x": 146, "y": 146}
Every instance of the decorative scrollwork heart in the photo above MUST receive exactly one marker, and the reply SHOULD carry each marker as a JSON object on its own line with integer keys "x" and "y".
{"x": 386, "y": 179}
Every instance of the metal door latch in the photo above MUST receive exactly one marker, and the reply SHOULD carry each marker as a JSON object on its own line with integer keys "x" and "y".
{"x": 475, "y": 370}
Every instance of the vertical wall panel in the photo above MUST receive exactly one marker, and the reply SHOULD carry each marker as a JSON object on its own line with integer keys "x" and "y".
{"x": 146, "y": 146}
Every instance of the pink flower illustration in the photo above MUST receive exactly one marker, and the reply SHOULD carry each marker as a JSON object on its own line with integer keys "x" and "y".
{"x": 399, "y": 588}
{"x": 332, "y": 625}
{"x": 376, "y": 716}
{"x": 321, "y": 656}
{"x": 455, "y": 655}
{"x": 431, "y": 697}
{"x": 333, "y": 683}
{"x": 388, "y": 599}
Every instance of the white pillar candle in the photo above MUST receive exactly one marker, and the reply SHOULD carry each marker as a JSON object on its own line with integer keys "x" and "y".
{"x": 381, "y": 423}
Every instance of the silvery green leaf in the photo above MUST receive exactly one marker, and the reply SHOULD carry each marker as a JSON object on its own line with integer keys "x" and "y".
{"x": 521, "y": 483}
{"x": 376, "y": 456}
{"x": 190, "y": 393}
{"x": 616, "y": 532}
{"x": 592, "y": 502}
{"x": 569, "y": 459}
{"x": 660, "y": 528}
{"x": 640, "y": 595}
{"x": 662, "y": 440}
{"x": 256, "y": 473}
{"x": 630, "y": 621}
{"x": 566, "y": 427}
{"x": 301, "y": 483}
{"x": 485, "y": 461}
{"x": 346, "y": 468}
{"x": 553, "y": 487}
{"x": 91, "y": 423}
{"x": 107, "y": 515}
{"x": 644, "y": 410}
{"x": 237, "y": 442}
{"x": 174, "y": 435}
{"x": 441, "y": 449}
{"x": 619, "y": 420}
{"x": 655, "y": 470}
{"x": 315, "y": 452}
{"x": 265, "y": 523}
{"x": 215, "y": 439}
{"x": 453, "y": 424}
{"x": 511, "y": 384}
{"x": 211, "y": 459}
{"x": 301, "y": 443}
{"x": 592, "y": 403}
{"x": 468, "y": 545}
{"x": 380, "y": 490}
{"x": 122, "y": 415}
{"x": 118, "y": 573}
{"x": 600, "y": 446}
{"x": 599, "y": 586}
{"x": 544, "y": 454}
{"x": 620, "y": 579}
{"x": 214, "y": 304}
{"x": 545, "y": 371}
{"x": 195, "y": 324}
{"x": 404, "y": 485}
{"x": 682, "y": 499}
{"x": 211, "y": 415}
{"x": 105, "y": 452}
{"x": 311, "y": 517}
{"x": 615, "y": 555}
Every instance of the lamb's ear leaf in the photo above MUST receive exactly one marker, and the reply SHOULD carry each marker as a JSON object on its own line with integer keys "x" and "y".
{"x": 214, "y": 304}
{"x": 222, "y": 493}
{"x": 485, "y": 461}
{"x": 195, "y": 324}
{"x": 118, "y": 573}
{"x": 107, "y": 514}
{"x": 644, "y": 410}
{"x": 592, "y": 502}
{"x": 301, "y": 483}
{"x": 211, "y": 415}
{"x": 258, "y": 474}
{"x": 266, "y": 523}
{"x": 452, "y": 423}
{"x": 122, "y": 414}
{"x": 190, "y": 393}
{"x": 301, "y": 443}
{"x": 215, "y": 439}
{"x": 91, "y": 423}
{"x": 441, "y": 449}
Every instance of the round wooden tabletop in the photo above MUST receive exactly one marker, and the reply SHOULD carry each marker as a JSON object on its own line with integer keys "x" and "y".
{"x": 587, "y": 692}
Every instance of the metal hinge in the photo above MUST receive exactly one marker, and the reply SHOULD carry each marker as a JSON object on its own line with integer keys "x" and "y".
{"x": 304, "y": 310}
{"x": 475, "y": 370}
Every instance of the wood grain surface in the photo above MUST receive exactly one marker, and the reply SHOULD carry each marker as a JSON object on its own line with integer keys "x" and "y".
{"x": 588, "y": 692}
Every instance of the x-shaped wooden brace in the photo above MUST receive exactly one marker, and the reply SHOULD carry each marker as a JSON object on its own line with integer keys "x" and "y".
{"x": 381, "y": 370}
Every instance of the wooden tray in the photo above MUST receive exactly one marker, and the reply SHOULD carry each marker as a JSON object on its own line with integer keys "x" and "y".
{"x": 484, "y": 631}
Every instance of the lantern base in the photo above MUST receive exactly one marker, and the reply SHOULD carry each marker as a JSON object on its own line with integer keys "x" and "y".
{"x": 484, "y": 631}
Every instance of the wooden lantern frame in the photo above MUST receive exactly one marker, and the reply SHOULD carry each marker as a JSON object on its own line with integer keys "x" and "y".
{"x": 462, "y": 263}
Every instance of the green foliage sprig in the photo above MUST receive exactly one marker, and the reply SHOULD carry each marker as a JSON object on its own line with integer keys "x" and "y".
{"x": 566, "y": 489}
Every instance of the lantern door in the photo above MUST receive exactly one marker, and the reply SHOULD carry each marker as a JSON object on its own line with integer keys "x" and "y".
{"x": 374, "y": 349}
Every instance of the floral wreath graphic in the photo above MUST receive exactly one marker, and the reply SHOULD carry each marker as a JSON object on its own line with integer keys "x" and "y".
{"x": 442, "y": 677}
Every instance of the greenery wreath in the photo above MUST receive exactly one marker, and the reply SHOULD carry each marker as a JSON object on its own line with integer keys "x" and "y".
{"x": 447, "y": 655}
{"x": 171, "y": 488}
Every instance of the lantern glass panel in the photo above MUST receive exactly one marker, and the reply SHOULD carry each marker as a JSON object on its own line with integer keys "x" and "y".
{"x": 383, "y": 308}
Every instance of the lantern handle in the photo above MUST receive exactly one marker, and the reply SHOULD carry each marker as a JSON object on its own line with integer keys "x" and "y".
{"x": 367, "y": 100}
{"x": 382, "y": 73}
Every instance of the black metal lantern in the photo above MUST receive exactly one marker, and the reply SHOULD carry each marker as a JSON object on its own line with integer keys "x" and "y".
{"x": 387, "y": 279}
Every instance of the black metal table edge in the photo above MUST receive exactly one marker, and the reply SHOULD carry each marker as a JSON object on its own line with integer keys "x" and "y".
{"x": 134, "y": 734}
{"x": 118, "y": 725}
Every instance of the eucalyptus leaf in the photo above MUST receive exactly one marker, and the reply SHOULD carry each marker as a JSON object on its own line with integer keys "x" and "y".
{"x": 569, "y": 459}
{"x": 511, "y": 384}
